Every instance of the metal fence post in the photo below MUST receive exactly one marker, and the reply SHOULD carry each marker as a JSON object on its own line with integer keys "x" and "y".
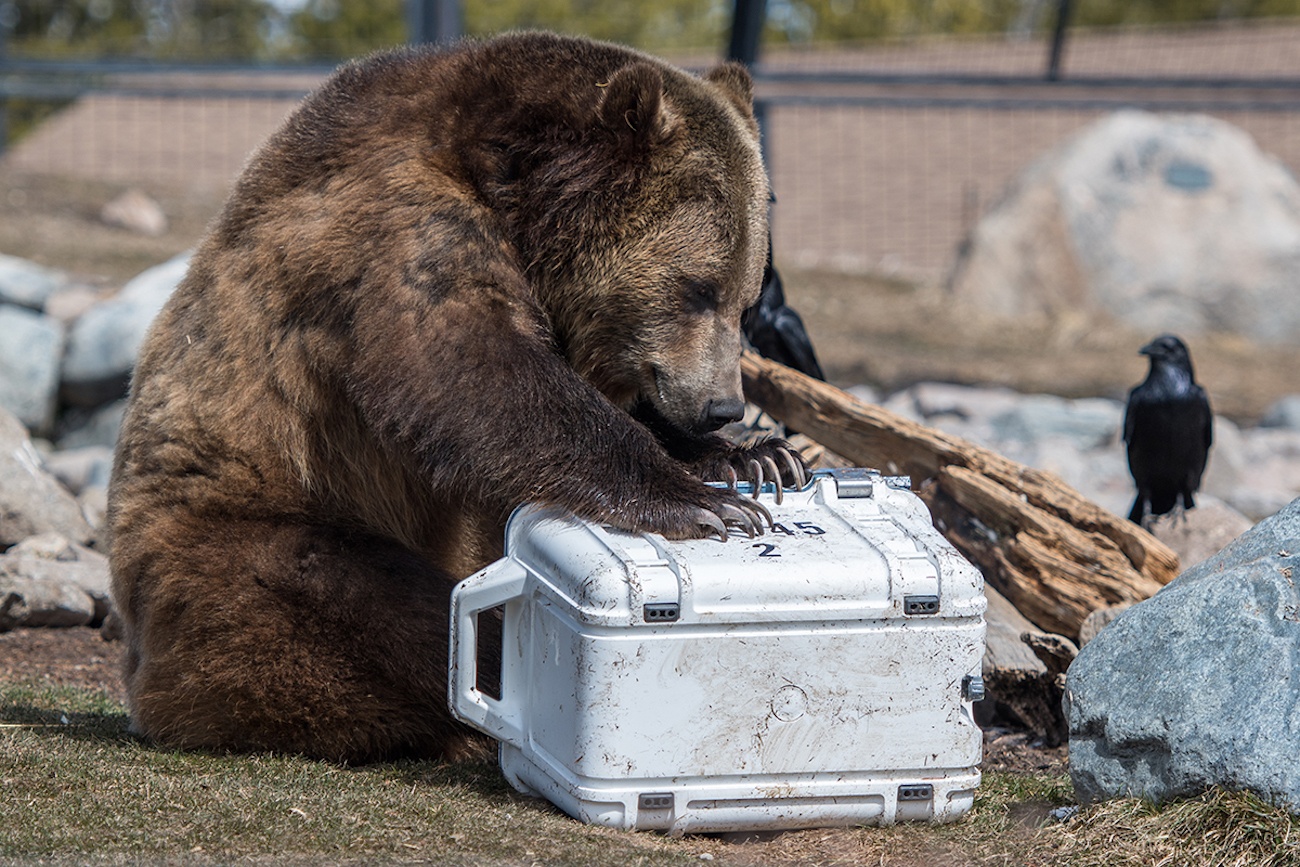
{"x": 746, "y": 30}
{"x": 1058, "y": 40}
{"x": 432, "y": 21}
{"x": 8, "y": 19}
{"x": 747, "y": 17}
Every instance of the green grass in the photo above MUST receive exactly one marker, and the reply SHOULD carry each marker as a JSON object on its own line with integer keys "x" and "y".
{"x": 76, "y": 787}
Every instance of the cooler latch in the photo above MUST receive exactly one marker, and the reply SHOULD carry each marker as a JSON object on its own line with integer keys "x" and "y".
{"x": 914, "y": 606}
{"x": 655, "y": 801}
{"x": 661, "y": 612}
{"x": 915, "y": 792}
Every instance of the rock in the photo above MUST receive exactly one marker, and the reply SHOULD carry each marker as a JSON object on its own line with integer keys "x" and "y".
{"x": 112, "y": 628}
{"x": 30, "y": 355}
{"x": 94, "y": 429}
{"x": 67, "y": 304}
{"x": 26, "y": 283}
{"x": 39, "y": 602}
{"x": 960, "y": 410}
{"x": 1254, "y": 471}
{"x": 1284, "y": 413}
{"x": 31, "y": 500}
{"x": 1167, "y": 223}
{"x": 1269, "y": 476}
{"x": 1202, "y": 532}
{"x": 136, "y": 211}
{"x": 1098, "y": 620}
{"x": 864, "y": 393}
{"x": 53, "y": 560}
{"x": 81, "y": 468}
{"x": 1227, "y": 461}
{"x": 104, "y": 342}
{"x": 1090, "y": 423}
{"x": 94, "y": 508}
{"x": 1196, "y": 687}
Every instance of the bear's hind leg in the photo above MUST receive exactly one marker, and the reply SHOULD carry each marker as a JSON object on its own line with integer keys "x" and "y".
{"x": 294, "y": 639}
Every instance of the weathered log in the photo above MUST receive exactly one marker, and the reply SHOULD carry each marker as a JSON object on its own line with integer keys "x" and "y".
{"x": 1054, "y": 651}
{"x": 1055, "y": 555}
{"x": 1017, "y": 684}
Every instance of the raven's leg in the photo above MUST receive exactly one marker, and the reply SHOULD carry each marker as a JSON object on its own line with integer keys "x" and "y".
{"x": 1138, "y": 512}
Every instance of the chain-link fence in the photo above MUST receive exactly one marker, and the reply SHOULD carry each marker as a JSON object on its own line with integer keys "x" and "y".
{"x": 883, "y": 153}
{"x": 884, "y": 157}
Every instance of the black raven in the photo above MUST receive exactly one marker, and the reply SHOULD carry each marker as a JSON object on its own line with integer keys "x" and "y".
{"x": 775, "y": 330}
{"x": 1167, "y": 427}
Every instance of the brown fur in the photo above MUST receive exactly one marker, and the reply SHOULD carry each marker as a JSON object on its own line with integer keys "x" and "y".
{"x": 437, "y": 293}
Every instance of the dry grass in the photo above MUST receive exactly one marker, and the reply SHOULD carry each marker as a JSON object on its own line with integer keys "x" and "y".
{"x": 55, "y": 221}
{"x": 78, "y": 788}
{"x": 1218, "y": 829}
{"x": 892, "y": 334}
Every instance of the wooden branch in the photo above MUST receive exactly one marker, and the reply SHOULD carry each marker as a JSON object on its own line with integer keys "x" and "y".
{"x": 1055, "y": 555}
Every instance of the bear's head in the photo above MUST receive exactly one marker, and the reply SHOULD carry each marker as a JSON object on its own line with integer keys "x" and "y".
{"x": 647, "y": 235}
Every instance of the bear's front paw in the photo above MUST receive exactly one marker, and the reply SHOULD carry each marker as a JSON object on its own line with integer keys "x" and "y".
{"x": 767, "y": 461}
{"x": 732, "y": 511}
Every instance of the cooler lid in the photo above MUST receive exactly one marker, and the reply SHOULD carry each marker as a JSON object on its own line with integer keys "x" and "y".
{"x": 852, "y": 545}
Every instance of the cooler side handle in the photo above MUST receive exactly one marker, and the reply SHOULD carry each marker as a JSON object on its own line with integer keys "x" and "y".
{"x": 498, "y": 584}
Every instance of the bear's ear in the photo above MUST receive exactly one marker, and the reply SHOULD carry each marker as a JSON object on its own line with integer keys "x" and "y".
{"x": 734, "y": 81}
{"x": 632, "y": 106}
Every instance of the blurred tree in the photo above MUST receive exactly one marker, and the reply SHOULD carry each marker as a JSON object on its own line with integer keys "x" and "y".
{"x": 852, "y": 20}
{"x": 665, "y": 25}
{"x": 345, "y": 28}
{"x": 336, "y": 29}
{"x": 193, "y": 29}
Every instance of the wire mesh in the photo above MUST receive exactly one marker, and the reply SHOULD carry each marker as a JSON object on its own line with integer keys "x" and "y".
{"x": 883, "y": 154}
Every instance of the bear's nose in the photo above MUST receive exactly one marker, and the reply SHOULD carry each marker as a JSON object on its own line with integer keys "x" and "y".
{"x": 720, "y": 412}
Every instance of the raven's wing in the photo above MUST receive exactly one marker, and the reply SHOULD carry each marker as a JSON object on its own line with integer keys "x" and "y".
{"x": 1207, "y": 423}
{"x": 1129, "y": 415}
{"x": 794, "y": 340}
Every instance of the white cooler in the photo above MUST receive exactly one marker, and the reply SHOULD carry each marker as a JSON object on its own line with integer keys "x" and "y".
{"x": 821, "y": 674}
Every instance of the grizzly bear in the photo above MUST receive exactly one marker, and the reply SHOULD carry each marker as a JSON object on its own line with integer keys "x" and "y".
{"x": 454, "y": 282}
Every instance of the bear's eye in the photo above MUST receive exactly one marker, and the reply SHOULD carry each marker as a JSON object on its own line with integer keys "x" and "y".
{"x": 701, "y": 296}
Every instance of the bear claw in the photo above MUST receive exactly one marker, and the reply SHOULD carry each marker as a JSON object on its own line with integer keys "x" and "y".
{"x": 705, "y": 518}
{"x": 742, "y": 520}
{"x": 776, "y": 476}
{"x": 797, "y": 471}
{"x": 756, "y": 475}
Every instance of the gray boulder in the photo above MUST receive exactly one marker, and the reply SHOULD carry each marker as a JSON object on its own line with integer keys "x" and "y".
{"x": 30, "y": 354}
{"x": 1284, "y": 413}
{"x": 97, "y": 428}
{"x": 106, "y": 339}
{"x": 94, "y": 506}
{"x": 1196, "y": 686}
{"x": 1200, "y": 533}
{"x": 26, "y": 283}
{"x": 1168, "y": 223}
{"x": 81, "y": 468}
{"x": 136, "y": 211}
{"x": 1268, "y": 475}
{"x": 40, "y": 602}
{"x": 68, "y": 303}
{"x": 1089, "y": 423}
{"x": 48, "y": 580}
{"x": 31, "y": 500}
